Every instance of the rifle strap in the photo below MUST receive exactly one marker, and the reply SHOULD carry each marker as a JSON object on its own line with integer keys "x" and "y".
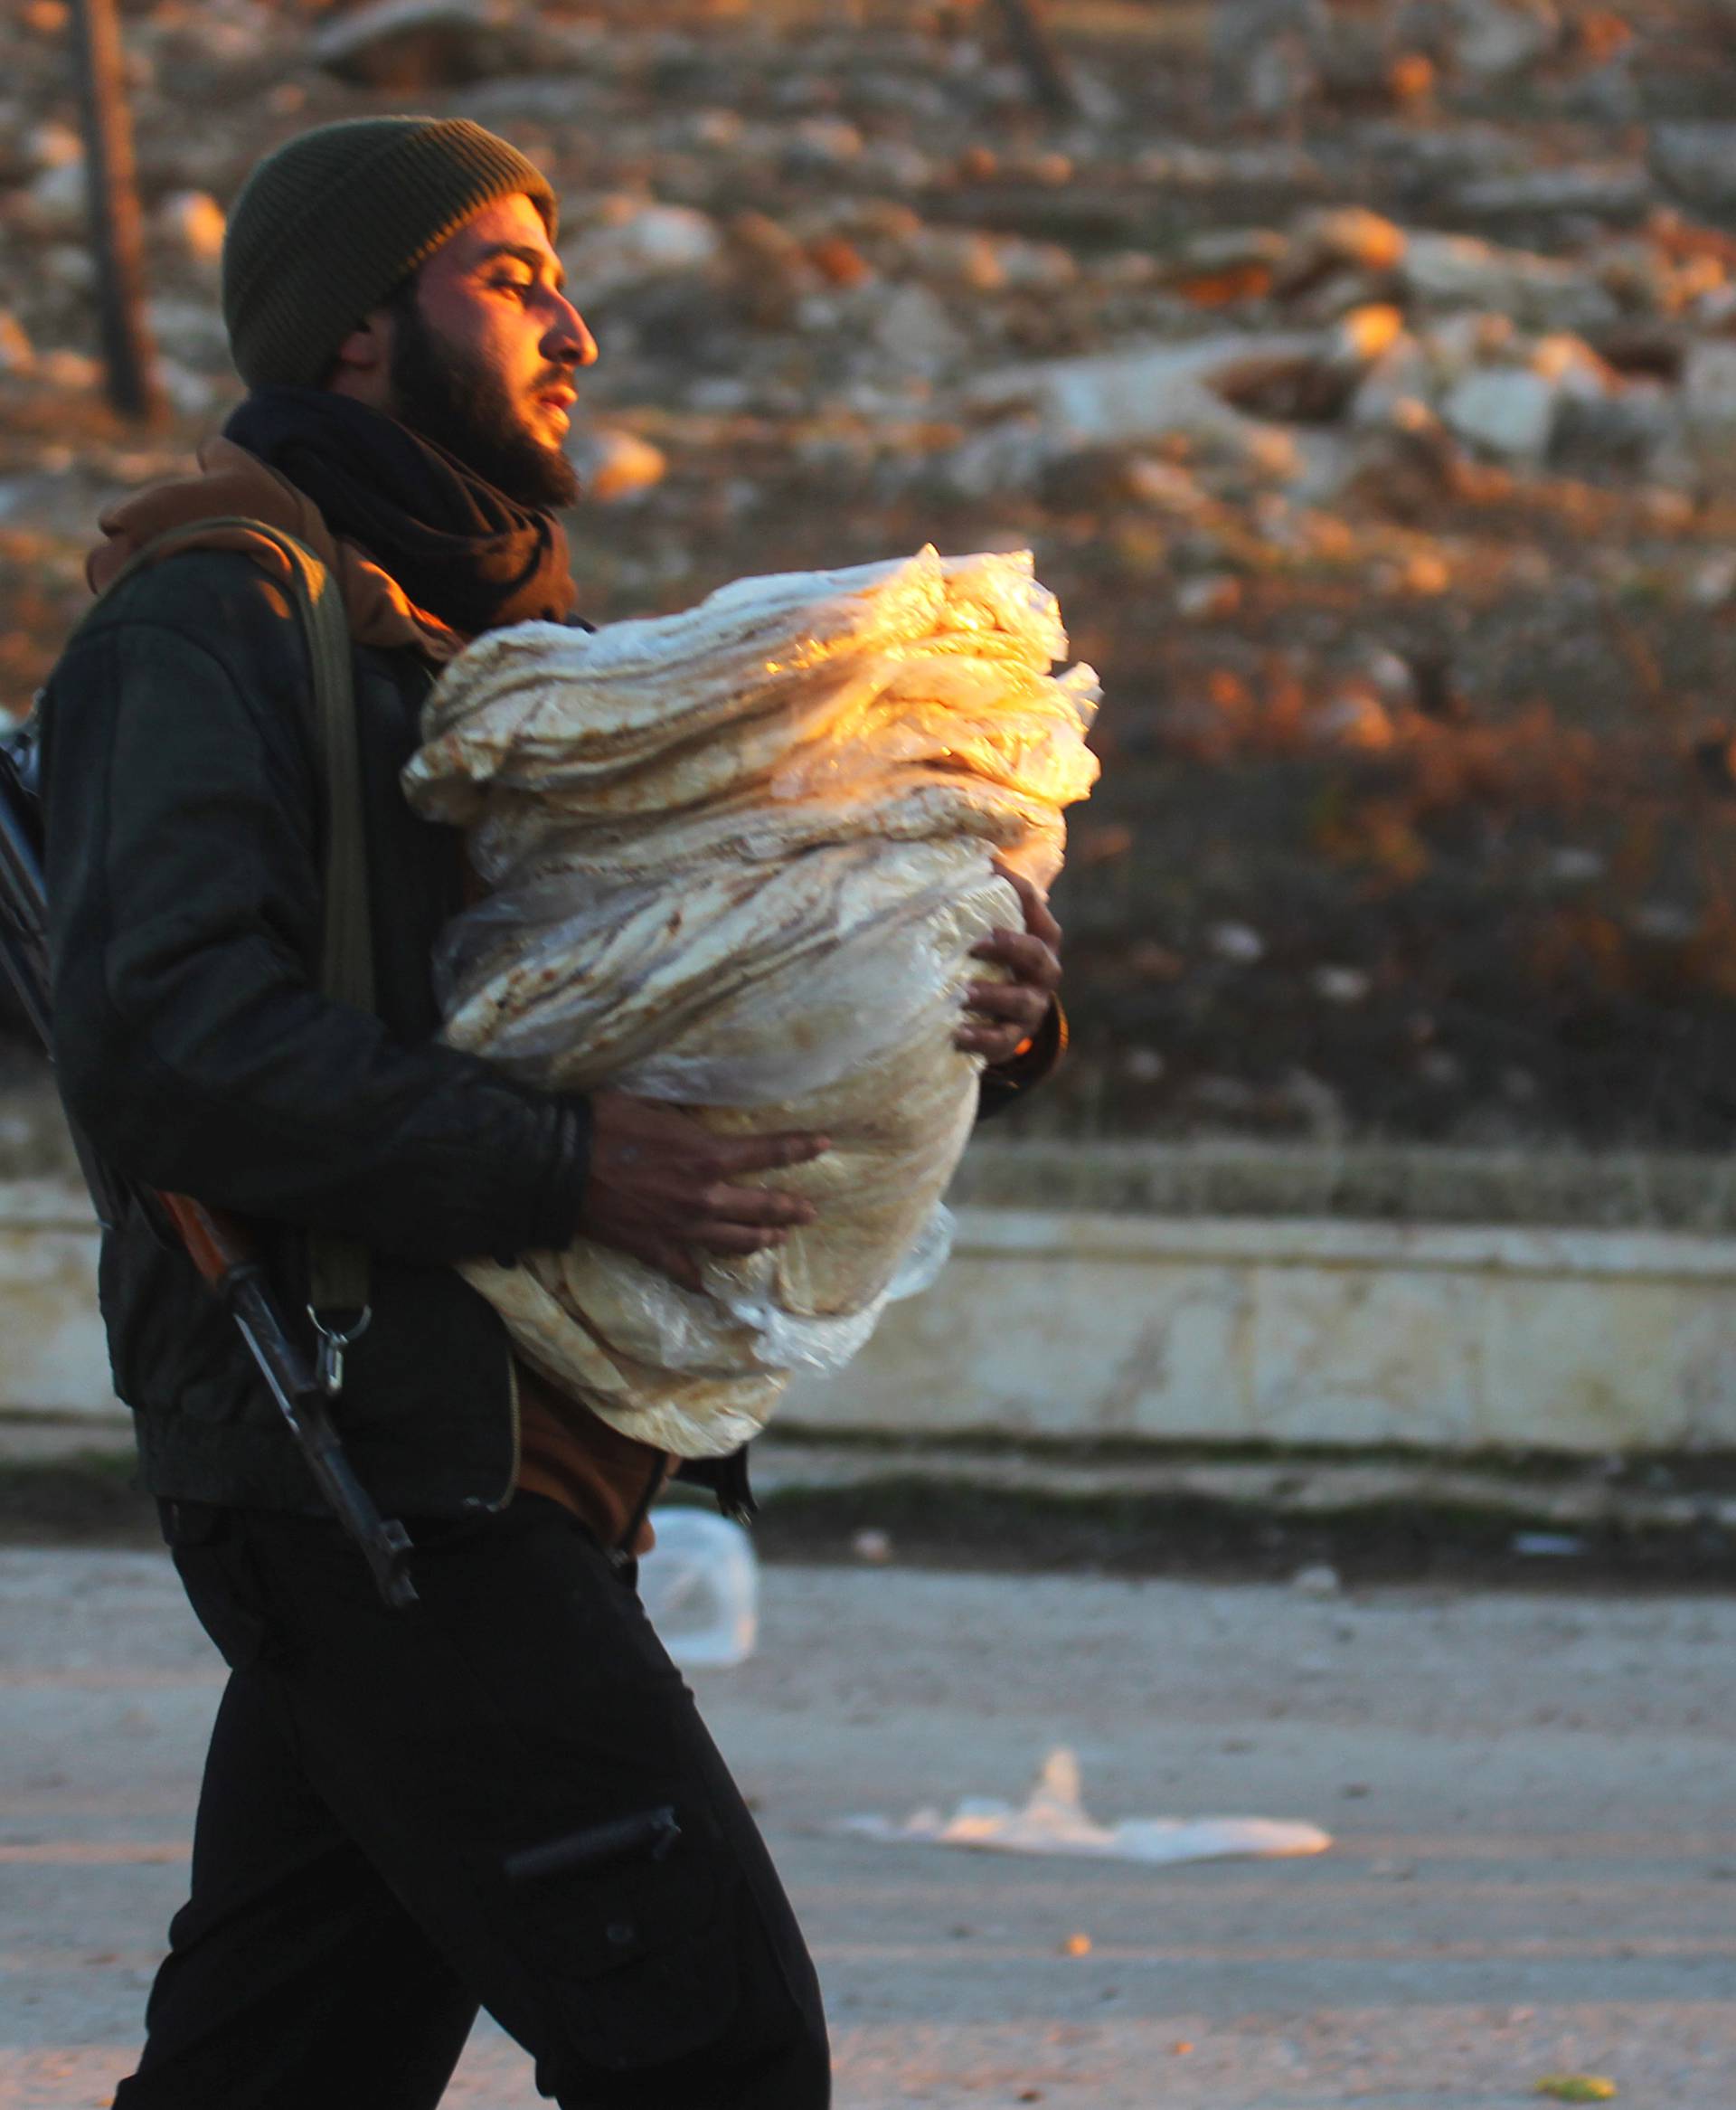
{"x": 337, "y": 1267}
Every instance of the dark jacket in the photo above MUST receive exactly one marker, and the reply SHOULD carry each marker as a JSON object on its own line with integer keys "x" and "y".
{"x": 183, "y": 822}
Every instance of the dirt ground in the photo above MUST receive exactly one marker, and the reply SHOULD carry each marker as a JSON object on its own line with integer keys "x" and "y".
{"x": 1531, "y": 1872}
{"x": 1416, "y": 811}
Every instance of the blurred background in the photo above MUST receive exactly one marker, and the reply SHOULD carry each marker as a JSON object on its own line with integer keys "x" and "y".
{"x": 1362, "y": 376}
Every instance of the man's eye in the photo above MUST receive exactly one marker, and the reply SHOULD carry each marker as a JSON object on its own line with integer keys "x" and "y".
{"x": 519, "y": 286}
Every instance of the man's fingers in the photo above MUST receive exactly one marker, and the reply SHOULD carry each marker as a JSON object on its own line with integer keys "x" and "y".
{"x": 717, "y": 1236}
{"x": 767, "y": 1153}
{"x": 633, "y": 1132}
{"x": 1006, "y": 1014}
{"x": 665, "y": 1188}
{"x": 1038, "y": 918}
{"x": 754, "y": 1204}
{"x": 706, "y": 1235}
{"x": 1028, "y": 957}
{"x": 994, "y": 1044}
{"x": 1009, "y": 999}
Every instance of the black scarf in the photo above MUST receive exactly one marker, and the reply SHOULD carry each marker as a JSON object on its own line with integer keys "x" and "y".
{"x": 458, "y": 547}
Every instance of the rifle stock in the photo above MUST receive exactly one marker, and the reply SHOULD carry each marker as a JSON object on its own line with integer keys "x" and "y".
{"x": 217, "y": 1243}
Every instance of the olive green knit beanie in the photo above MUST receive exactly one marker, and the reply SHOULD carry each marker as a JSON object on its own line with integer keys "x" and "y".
{"x": 326, "y": 226}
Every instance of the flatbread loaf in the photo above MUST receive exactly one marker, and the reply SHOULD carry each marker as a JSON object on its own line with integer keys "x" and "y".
{"x": 737, "y": 860}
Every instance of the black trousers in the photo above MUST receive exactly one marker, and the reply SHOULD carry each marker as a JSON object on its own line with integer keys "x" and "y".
{"x": 503, "y": 1797}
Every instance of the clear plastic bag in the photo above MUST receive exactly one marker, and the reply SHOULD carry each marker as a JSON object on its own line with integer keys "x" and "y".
{"x": 739, "y": 857}
{"x": 701, "y": 1588}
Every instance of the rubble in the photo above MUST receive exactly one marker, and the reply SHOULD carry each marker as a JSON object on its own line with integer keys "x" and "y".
{"x": 1697, "y": 163}
{"x": 53, "y": 145}
{"x": 1271, "y": 58}
{"x": 406, "y": 46}
{"x": 1458, "y": 271}
{"x": 912, "y": 329}
{"x": 1611, "y": 190}
{"x": 1342, "y": 985}
{"x": 17, "y": 354}
{"x": 194, "y": 221}
{"x": 1496, "y": 38}
{"x": 614, "y": 465}
{"x": 1185, "y": 389}
{"x": 1709, "y": 407}
{"x": 58, "y": 199}
{"x": 1508, "y": 409}
{"x": 630, "y": 241}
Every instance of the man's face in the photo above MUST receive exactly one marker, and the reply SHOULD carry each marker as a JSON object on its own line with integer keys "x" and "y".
{"x": 485, "y": 351}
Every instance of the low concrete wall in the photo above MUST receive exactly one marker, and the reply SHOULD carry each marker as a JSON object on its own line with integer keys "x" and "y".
{"x": 1083, "y": 1324}
{"x": 53, "y": 1355}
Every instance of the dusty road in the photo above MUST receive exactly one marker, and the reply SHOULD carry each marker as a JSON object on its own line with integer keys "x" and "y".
{"x": 1535, "y": 1866}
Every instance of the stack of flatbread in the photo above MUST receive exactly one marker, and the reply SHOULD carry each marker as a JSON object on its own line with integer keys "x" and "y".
{"x": 737, "y": 860}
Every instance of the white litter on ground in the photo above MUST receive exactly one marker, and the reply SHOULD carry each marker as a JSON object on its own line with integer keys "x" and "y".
{"x": 1053, "y": 1822}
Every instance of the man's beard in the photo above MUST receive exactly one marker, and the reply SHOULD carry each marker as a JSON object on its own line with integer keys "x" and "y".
{"x": 456, "y": 402}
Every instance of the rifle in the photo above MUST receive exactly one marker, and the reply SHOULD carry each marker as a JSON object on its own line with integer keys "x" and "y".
{"x": 216, "y": 1242}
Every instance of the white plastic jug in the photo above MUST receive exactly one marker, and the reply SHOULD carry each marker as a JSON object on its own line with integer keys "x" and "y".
{"x": 699, "y": 1585}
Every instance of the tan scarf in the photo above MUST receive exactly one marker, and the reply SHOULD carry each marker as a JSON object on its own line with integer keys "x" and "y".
{"x": 230, "y": 481}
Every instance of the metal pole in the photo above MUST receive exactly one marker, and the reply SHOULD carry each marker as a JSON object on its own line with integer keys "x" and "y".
{"x": 1036, "y": 51}
{"x": 116, "y": 234}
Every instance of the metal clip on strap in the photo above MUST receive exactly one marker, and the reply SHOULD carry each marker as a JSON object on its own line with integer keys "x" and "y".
{"x": 333, "y": 1341}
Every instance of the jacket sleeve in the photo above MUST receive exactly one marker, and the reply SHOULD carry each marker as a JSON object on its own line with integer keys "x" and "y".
{"x": 193, "y": 1044}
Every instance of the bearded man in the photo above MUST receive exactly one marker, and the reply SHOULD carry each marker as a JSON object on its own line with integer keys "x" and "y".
{"x": 504, "y": 1796}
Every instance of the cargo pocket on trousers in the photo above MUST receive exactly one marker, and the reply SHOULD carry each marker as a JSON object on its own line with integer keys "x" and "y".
{"x": 640, "y": 1960}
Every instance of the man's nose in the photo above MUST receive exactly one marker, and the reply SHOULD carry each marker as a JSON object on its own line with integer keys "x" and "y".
{"x": 568, "y": 338}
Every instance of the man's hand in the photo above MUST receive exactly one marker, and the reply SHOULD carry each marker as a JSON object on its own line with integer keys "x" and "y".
{"x": 1009, "y": 1014}
{"x": 661, "y": 1184}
